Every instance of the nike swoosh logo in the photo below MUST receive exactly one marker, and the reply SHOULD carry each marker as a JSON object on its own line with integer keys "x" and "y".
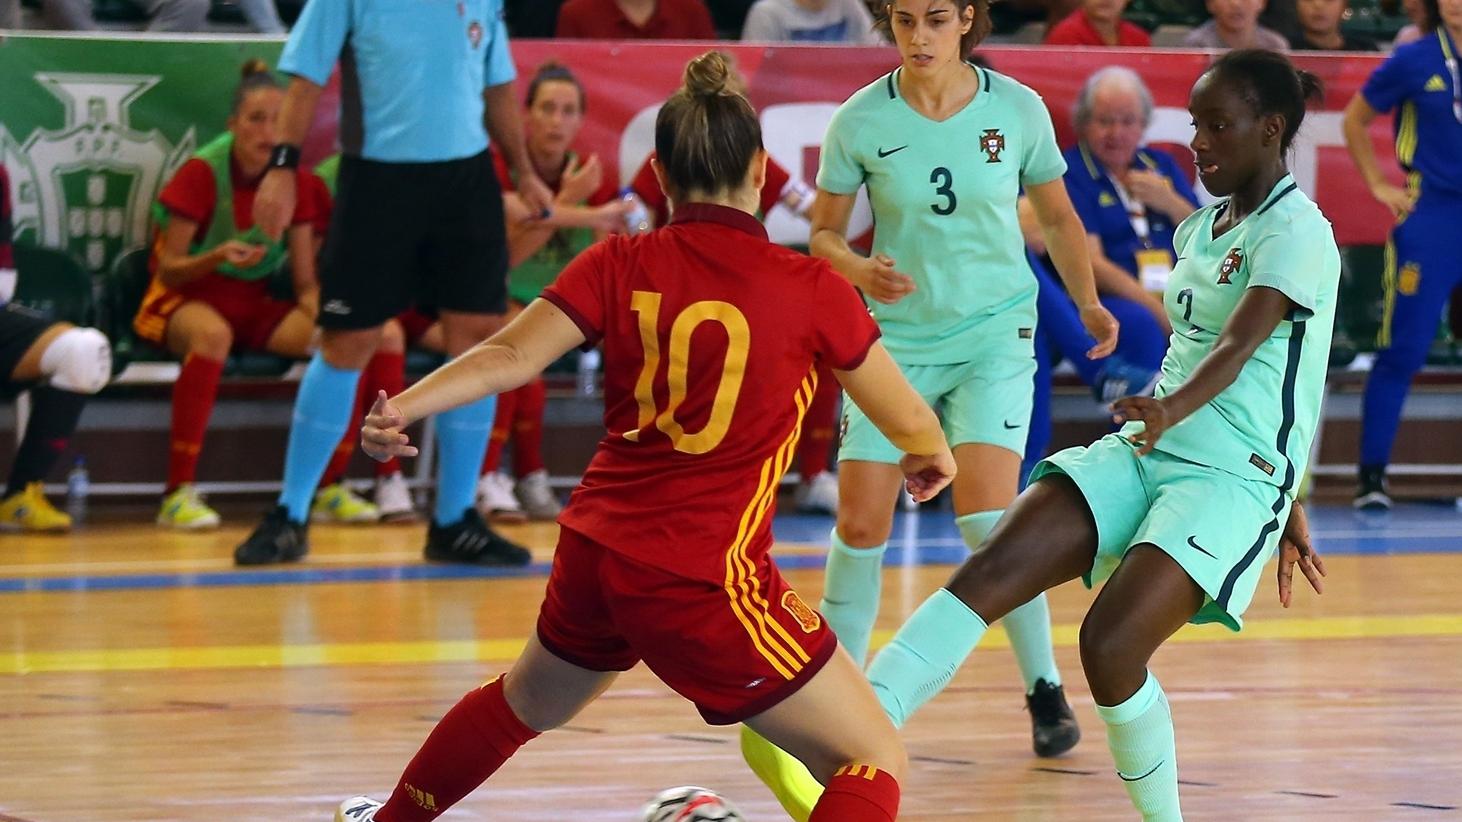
{"x": 1126, "y": 778}
{"x": 1009, "y": 427}
{"x": 1200, "y": 548}
{"x": 884, "y": 152}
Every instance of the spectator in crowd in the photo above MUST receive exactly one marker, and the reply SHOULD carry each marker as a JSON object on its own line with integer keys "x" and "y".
{"x": 1098, "y": 23}
{"x": 532, "y": 18}
{"x": 1420, "y": 82}
{"x": 810, "y": 21}
{"x": 61, "y": 365}
{"x": 1235, "y": 25}
{"x": 163, "y": 15}
{"x": 1320, "y": 28}
{"x": 635, "y": 20}
{"x": 9, "y": 14}
{"x": 1418, "y": 27}
{"x": 209, "y": 292}
{"x": 537, "y": 252}
{"x": 729, "y": 16}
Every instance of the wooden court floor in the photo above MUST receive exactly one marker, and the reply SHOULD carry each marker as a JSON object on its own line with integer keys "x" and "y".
{"x": 140, "y": 681}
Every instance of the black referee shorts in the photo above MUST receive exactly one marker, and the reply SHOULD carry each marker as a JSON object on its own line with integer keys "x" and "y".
{"x": 409, "y": 233}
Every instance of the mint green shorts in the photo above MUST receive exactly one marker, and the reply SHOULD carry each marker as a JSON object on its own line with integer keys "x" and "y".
{"x": 1219, "y": 527}
{"x": 986, "y": 400}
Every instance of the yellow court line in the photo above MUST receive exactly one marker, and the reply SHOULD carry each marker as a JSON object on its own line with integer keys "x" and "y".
{"x": 497, "y": 650}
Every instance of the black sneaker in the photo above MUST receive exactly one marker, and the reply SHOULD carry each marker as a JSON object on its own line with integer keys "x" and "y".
{"x": 276, "y": 539}
{"x": 1371, "y": 495}
{"x": 1053, "y": 726}
{"x": 469, "y": 541}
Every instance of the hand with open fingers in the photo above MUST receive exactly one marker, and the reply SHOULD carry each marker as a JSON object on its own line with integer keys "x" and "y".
{"x": 381, "y": 437}
{"x": 880, "y": 281}
{"x": 1102, "y": 327}
{"x": 1148, "y": 410}
{"x": 581, "y": 179}
{"x": 1295, "y": 548}
{"x": 926, "y": 475}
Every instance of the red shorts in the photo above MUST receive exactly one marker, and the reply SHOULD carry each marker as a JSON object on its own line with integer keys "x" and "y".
{"x": 244, "y": 304}
{"x": 734, "y": 651}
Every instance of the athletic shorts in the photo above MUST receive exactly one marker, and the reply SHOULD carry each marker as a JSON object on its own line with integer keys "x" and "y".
{"x": 20, "y": 327}
{"x": 404, "y": 233}
{"x": 986, "y": 400}
{"x": 245, "y": 305}
{"x": 732, "y": 656}
{"x": 1221, "y": 528}
{"x": 415, "y": 322}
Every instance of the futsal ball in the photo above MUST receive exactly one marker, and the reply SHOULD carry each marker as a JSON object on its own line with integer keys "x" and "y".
{"x": 690, "y": 804}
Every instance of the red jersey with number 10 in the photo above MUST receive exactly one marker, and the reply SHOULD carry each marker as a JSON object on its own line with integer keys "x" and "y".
{"x": 710, "y": 335}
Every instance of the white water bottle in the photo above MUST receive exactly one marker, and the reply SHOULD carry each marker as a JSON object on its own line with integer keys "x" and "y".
{"x": 78, "y": 487}
{"x": 637, "y": 219}
{"x": 588, "y": 381}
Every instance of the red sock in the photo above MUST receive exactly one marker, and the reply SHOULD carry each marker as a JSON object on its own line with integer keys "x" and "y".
{"x": 502, "y": 426}
{"x": 528, "y": 429}
{"x": 193, "y": 396}
{"x": 817, "y": 427}
{"x": 858, "y": 793}
{"x": 472, "y": 741}
{"x": 385, "y": 372}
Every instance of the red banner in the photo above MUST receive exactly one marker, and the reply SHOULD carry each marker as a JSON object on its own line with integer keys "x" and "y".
{"x": 797, "y": 88}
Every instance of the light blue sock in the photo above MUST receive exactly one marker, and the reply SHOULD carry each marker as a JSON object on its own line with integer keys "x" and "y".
{"x": 924, "y": 654}
{"x": 850, "y": 594}
{"x": 1029, "y": 626}
{"x": 321, "y": 414}
{"x": 462, "y": 435}
{"x": 1140, "y": 734}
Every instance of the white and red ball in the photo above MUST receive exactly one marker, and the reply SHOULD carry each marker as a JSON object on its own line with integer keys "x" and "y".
{"x": 690, "y": 804}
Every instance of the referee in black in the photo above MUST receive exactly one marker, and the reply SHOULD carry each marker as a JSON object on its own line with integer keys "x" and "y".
{"x": 418, "y": 212}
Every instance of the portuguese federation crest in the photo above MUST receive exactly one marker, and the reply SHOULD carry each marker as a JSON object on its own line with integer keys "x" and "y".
{"x": 992, "y": 142}
{"x": 1230, "y": 266}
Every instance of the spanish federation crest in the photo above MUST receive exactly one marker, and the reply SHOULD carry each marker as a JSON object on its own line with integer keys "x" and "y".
{"x": 1230, "y": 266}
{"x": 992, "y": 142}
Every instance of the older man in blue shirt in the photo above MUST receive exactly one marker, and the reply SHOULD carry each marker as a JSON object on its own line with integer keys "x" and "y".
{"x": 418, "y": 215}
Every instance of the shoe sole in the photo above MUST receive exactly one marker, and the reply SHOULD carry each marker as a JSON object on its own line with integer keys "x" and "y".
{"x": 199, "y": 525}
{"x": 505, "y": 517}
{"x": 330, "y": 519}
{"x": 1372, "y": 502}
{"x": 499, "y": 562}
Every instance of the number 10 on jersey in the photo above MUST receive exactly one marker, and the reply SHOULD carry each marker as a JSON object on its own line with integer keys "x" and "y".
{"x": 646, "y": 305}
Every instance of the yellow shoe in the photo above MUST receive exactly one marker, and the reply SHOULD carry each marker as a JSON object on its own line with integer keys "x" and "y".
{"x": 787, "y": 777}
{"x": 337, "y": 503}
{"x": 185, "y": 510}
{"x": 29, "y": 510}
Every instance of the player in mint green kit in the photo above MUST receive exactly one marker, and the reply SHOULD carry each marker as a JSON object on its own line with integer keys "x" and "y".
{"x": 1181, "y": 509}
{"x": 945, "y": 149}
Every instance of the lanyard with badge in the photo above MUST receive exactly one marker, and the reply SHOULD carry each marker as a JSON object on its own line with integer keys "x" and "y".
{"x": 1449, "y": 56}
{"x": 1154, "y": 265}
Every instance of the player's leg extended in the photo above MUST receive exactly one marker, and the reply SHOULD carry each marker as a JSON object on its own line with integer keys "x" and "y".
{"x": 485, "y": 728}
{"x": 1047, "y": 537}
{"x": 833, "y": 724}
{"x": 1148, "y": 599}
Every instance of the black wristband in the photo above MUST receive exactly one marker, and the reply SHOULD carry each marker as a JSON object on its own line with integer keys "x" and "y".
{"x": 284, "y": 155}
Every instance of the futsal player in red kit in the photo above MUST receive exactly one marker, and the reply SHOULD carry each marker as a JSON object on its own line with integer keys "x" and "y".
{"x": 710, "y": 342}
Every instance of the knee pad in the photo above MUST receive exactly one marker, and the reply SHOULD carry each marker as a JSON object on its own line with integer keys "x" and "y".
{"x": 79, "y": 360}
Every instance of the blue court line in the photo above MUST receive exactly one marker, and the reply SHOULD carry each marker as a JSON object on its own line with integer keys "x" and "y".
{"x": 923, "y": 540}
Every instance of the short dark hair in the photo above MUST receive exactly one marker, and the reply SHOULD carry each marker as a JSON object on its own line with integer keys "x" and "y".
{"x": 979, "y": 30}
{"x": 555, "y": 72}
{"x": 707, "y": 132}
{"x": 1271, "y": 84}
{"x": 1433, "y": 10}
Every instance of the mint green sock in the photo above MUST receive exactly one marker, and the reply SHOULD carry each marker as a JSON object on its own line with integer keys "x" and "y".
{"x": 924, "y": 654}
{"x": 1140, "y": 734}
{"x": 850, "y": 594}
{"x": 1029, "y": 626}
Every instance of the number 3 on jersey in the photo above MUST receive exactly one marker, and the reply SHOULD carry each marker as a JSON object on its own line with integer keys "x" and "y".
{"x": 646, "y": 305}
{"x": 943, "y": 180}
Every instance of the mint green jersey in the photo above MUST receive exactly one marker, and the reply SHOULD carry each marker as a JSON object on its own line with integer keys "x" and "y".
{"x": 943, "y": 197}
{"x": 1261, "y": 426}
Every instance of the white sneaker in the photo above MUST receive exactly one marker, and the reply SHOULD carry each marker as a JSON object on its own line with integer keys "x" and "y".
{"x": 537, "y": 497}
{"x": 393, "y": 498}
{"x": 819, "y": 496}
{"x": 357, "y": 809}
{"x": 495, "y": 499}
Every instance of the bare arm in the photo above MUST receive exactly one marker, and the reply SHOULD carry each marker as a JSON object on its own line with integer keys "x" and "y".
{"x": 505, "y": 128}
{"x": 896, "y": 409}
{"x": 875, "y": 276}
{"x": 1117, "y": 281}
{"x": 302, "y": 268}
{"x": 274, "y": 202}
{"x": 176, "y": 267}
{"x": 1355, "y": 126}
{"x": 1066, "y": 241}
{"x": 1256, "y": 316}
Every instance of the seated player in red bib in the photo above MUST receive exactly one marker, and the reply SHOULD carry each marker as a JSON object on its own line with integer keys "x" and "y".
{"x": 711, "y": 360}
